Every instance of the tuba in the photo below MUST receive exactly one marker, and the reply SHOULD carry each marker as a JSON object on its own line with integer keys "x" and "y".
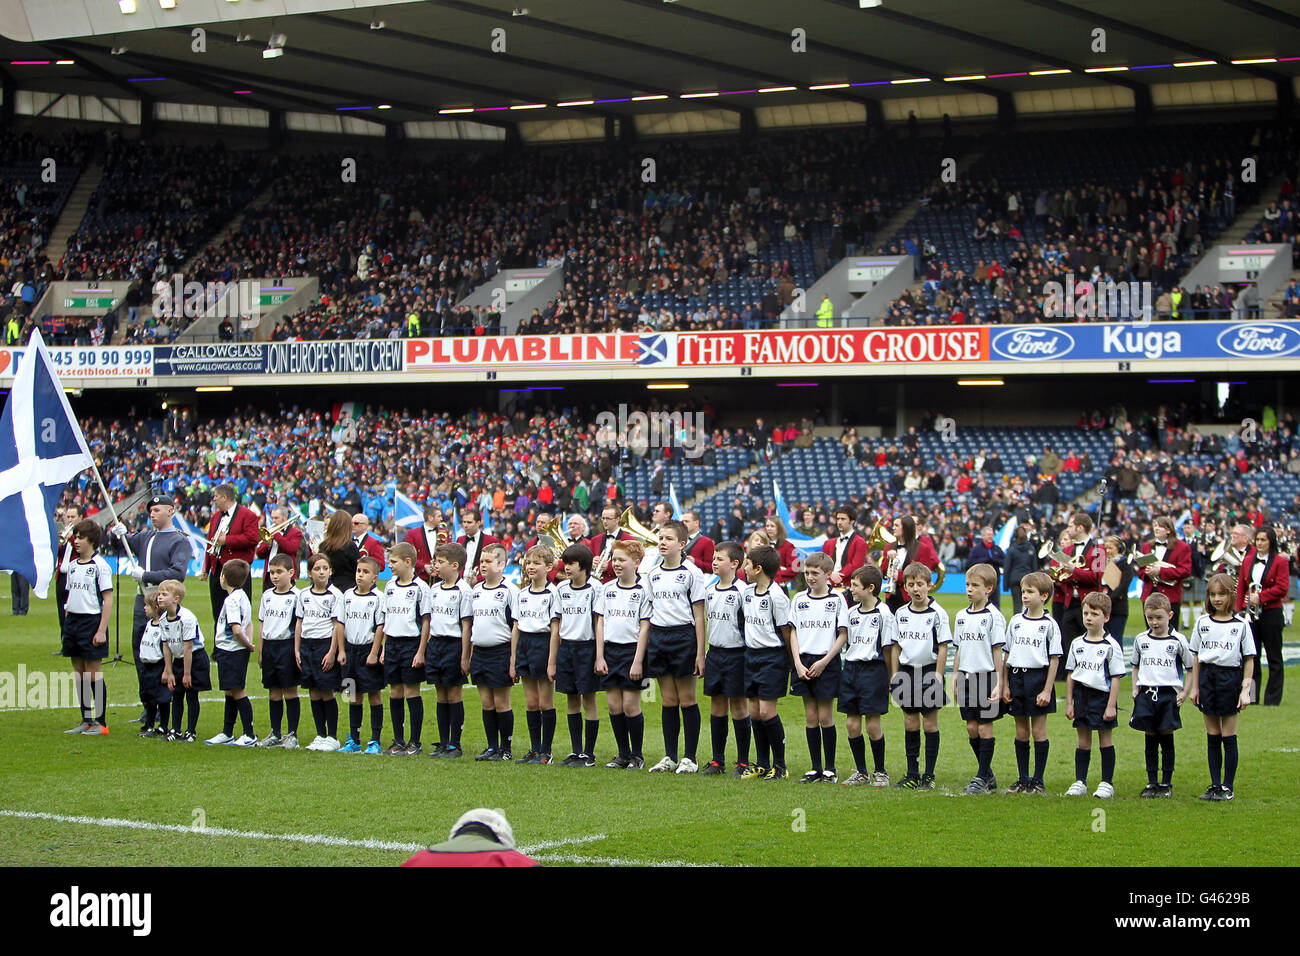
{"x": 879, "y": 539}
{"x": 553, "y": 532}
{"x": 627, "y": 522}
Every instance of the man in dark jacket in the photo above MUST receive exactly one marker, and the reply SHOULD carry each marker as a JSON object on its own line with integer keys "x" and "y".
{"x": 985, "y": 551}
{"x": 161, "y": 554}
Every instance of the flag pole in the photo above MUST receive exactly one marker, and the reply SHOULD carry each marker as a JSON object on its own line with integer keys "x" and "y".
{"x": 117, "y": 589}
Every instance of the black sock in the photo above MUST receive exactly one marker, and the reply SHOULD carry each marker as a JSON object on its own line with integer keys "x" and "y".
{"x": 828, "y": 746}
{"x": 376, "y": 722}
{"x": 1081, "y": 760}
{"x": 1166, "y": 759}
{"x": 575, "y": 732}
{"x": 318, "y": 715}
{"x": 814, "y": 735}
{"x": 987, "y": 744}
{"x": 354, "y": 722}
{"x": 1153, "y": 759}
{"x": 83, "y": 691}
{"x": 618, "y": 722}
{"x": 762, "y": 749}
{"x": 101, "y": 701}
{"x": 975, "y": 746}
{"x": 1022, "y": 759}
{"x": 506, "y": 728}
{"x": 912, "y": 749}
{"x": 178, "y": 710}
{"x": 442, "y": 711}
{"x": 245, "y": 707}
{"x": 490, "y": 727}
{"x": 593, "y": 731}
{"x": 331, "y": 717}
{"x": 776, "y": 740}
{"x": 534, "y": 720}
{"x": 1214, "y": 751}
{"x": 690, "y": 730}
{"x": 457, "y": 721}
{"x": 1108, "y": 764}
{"x": 397, "y": 708}
{"x": 228, "y": 716}
{"x": 878, "y": 754}
{"x": 743, "y": 733}
{"x": 1229, "y": 759}
{"x": 192, "y": 705}
{"x": 293, "y": 713}
{"x": 548, "y": 730}
{"x": 1041, "y": 749}
{"x": 672, "y": 726}
{"x": 416, "y": 706}
{"x": 858, "y": 747}
{"x": 150, "y": 714}
{"x": 277, "y": 717}
{"x": 931, "y": 751}
{"x": 636, "y": 734}
{"x": 718, "y": 737}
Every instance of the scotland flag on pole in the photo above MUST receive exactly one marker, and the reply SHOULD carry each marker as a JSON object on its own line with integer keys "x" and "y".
{"x": 41, "y": 450}
{"x": 406, "y": 513}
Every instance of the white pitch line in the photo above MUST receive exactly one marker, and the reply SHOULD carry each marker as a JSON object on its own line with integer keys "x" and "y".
{"x": 552, "y": 844}
{"x": 317, "y": 839}
{"x": 610, "y": 860}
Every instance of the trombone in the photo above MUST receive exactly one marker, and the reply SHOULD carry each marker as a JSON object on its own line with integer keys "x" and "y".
{"x": 267, "y": 534}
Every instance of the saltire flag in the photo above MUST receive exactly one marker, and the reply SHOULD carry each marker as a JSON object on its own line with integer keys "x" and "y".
{"x": 198, "y": 542}
{"x": 41, "y": 450}
{"x": 1003, "y": 540}
{"x": 672, "y": 499}
{"x": 406, "y": 513}
{"x": 802, "y": 543}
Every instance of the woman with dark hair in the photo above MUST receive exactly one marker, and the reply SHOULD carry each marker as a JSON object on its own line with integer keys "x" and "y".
{"x": 1021, "y": 559}
{"x": 775, "y": 531}
{"x": 1119, "y": 594}
{"x": 342, "y": 551}
{"x": 1262, "y": 585}
{"x": 909, "y": 548}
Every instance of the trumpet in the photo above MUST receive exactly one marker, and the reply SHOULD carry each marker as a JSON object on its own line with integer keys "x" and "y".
{"x": 606, "y": 553}
{"x": 267, "y": 534}
{"x": 1253, "y": 611}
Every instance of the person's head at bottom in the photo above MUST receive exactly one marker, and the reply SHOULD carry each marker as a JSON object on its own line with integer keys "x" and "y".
{"x": 481, "y": 837}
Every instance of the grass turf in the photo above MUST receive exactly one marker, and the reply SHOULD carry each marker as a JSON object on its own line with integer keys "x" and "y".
{"x": 637, "y": 818}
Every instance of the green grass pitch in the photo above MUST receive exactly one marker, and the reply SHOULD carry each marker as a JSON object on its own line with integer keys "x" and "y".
{"x": 296, "y": 808}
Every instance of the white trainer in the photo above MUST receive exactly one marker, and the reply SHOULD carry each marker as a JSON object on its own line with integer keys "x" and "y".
{"x": 667, "y": 765}
{"x": 221, "y": 738}
{"x": 1104, "y": 791}
{"x": 244, "y": 740}
{"x": 688, "y": 766}
{"x": 316, "y": 744}
{"x": 330, "y": 745}
{"x": 1077, "y": 789}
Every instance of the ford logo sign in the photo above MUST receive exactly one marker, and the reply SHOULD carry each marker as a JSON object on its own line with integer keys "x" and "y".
{"x": 1033, "y": 343}
{"x": 1260, "y": 340}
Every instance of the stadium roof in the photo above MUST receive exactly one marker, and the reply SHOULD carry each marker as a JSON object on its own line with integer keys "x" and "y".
{"x": 619, "y": 59}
